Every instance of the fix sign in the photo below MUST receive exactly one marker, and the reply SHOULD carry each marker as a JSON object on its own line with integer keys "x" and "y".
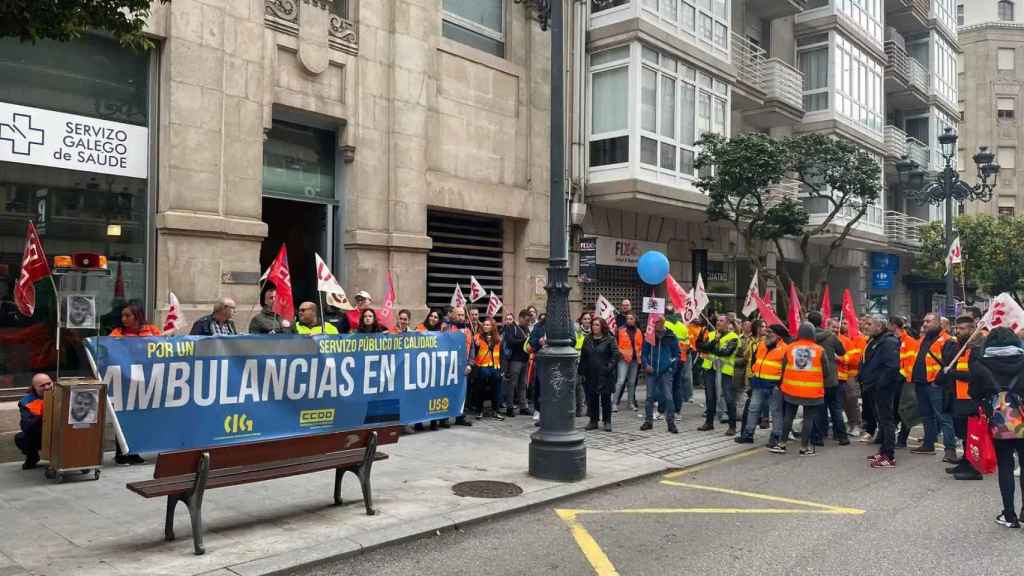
{"x": 48, "y": 138}
{"x": 624, "y": 252}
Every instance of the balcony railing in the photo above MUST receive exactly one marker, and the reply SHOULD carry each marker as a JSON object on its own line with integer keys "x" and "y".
{"x": 918, "y": 74}
{"x": 784, "y": 82}
{"x": 777, "y": 192}
{"x": 819, "y": 209}
{"x": 749, "y": 60}
{"x": 903, "y": 229}
{"x": 895, "y": 142}
{"x": 917, "y": 151}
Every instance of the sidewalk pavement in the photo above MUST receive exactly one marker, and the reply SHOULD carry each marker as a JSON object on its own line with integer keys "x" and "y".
{"x": 100, "y": 528}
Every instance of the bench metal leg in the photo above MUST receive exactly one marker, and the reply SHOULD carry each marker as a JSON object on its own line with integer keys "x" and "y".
{"x": 195, "y": 503}
{"x": 172, "y": 503}
{"x": 364, "y": 473}
{"x": 339, "y": 473}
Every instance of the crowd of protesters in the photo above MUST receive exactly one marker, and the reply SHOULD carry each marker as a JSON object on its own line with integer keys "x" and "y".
{"x": 871, "y": 384}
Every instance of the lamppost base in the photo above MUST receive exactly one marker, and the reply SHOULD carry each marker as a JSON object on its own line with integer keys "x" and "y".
{"x": 557, "y": 449}
{"x": 558, "y": 459}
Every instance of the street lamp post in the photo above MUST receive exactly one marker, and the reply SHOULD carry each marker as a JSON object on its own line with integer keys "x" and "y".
{"x": 557, "y": 451}
{"x": 948, "y": 187}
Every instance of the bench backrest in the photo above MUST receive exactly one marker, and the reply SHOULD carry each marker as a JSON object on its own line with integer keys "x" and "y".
{"x": 254, "y": 453}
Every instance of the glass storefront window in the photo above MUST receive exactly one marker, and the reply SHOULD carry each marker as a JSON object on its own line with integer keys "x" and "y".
{"x": 74, "y": 211}
{"x": 298, "y": 162}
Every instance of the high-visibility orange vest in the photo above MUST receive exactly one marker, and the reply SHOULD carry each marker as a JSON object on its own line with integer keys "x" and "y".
{"x": 962, "y": 385}
{"x": 35, "y": 407}
{"x": 908, "y": 354}
{"x": 855, "y": 355}
{"x": 486, "y": 356}
{"x": 804, "y": 376}
{"x": 626, "y": 349}
{"x": 768, "y": 364}
{"x": 933, "y": 358}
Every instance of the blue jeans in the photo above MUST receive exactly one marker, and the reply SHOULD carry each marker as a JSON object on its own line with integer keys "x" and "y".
{"x": 682, "y": 388}
{"x": 659, "y": 388}
{"x": 929, "y": 407}
{"x": 761, "y": 398}
{"x": 627, "y": 376}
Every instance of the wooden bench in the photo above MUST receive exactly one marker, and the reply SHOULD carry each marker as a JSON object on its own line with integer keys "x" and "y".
{"x": 184, "y": 476}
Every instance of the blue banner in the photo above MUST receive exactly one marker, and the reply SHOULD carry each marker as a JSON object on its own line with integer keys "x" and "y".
{"x": 173, "y": 393}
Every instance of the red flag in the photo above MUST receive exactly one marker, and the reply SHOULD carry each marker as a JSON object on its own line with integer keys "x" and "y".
{"x": 34, "y": 268}
{"x": 493, "y": 304}
{"x": 676, "y": 294}
{"x": 119, "y": 283}
{"x": 793, "y": 315}
{"x": 386, "y": 314}
{"x": 766, "y": 311}
{"x": 652, "y": 319}
{"x": 850, "y": 315}
{"x": 826, "y": 307}
{"x": 281, "y": 278}
{"x": 174, "y": 318}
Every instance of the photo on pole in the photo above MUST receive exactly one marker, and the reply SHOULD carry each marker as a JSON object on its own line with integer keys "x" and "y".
{"x": 80, "y": 311}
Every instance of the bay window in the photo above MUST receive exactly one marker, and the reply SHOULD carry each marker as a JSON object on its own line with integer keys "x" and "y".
{"x": 841, "y": 78}
{"x": 651, "y": 116}
{"x": 866, "y": 13}
{"x": 943, "y": 69}
{"x": 477, "y": 23}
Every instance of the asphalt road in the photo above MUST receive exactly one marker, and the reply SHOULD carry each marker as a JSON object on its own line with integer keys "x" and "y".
{"x": 758, "y": 513}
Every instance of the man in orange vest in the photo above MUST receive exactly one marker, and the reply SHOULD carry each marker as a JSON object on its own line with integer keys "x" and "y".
{"x": 765, "y": 373}
{"x": 457, "y": 323}
{"x": 927, "y": 378}
{"x": 803, "y": 384}
{"x": 849, "y": 367}
{"x": 630, "y": 339}
{"x": 963, "y": 405}
{"x": 30, "y": 439}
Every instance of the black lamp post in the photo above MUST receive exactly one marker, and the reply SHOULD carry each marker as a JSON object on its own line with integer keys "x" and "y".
{"x": 948, "y": 187}
{"x": 557, "y": 451}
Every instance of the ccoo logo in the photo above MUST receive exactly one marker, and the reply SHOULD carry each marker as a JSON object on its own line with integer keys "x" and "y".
{"x": 237, "y": 424}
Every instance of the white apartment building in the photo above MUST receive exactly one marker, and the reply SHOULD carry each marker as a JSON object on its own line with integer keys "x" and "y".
{"x": 661, "y": 72}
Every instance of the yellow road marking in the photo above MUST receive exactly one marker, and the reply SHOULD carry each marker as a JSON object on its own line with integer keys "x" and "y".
{"x": 597, "y": 558}
{"x": 706, "y": 465}
{"x": 836, "y": 509}
{"x": 712, "y": 511}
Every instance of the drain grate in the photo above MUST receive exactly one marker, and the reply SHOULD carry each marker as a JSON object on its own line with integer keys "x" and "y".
{"x": 486, "y": 489}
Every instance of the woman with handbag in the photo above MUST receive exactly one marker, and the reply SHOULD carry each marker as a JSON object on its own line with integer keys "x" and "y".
{"x": 997, "y": 379}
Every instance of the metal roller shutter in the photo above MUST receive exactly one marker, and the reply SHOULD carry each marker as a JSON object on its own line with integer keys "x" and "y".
{"x": 464, "y": 246}
{"x": 616, "y": 283}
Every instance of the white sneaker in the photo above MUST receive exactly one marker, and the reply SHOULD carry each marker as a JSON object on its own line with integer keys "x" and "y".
{"x": 657, "y": 416}
{"x": 536, "y": 415}
{"x": 854, "y": 432}
{"x": 866, "y": 438}
{"x": 1016, "y": 472}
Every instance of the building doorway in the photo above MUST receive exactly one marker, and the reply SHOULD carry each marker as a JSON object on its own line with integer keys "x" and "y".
{"x": 302, "y": 227}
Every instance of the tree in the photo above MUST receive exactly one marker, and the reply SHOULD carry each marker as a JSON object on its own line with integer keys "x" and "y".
{"x": 991, "y": 260}
{"x": 739, "y": 176}
{"x": 64, "y": 20}
{"x": 843, "y": 177}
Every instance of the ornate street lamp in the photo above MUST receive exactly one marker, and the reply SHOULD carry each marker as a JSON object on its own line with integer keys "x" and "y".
{"x": 948, "y": 187}
{"x": 557, "y": 451}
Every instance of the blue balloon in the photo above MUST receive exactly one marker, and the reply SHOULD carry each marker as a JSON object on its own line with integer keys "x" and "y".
{"x": 652, "y": 267}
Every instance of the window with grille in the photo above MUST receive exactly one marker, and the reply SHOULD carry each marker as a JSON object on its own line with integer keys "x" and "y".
{"x": 463, "y": 246}
{"x": 616, "y": 283}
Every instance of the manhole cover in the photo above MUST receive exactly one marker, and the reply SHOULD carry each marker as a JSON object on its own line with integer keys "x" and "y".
{"x": 487, "y": 489}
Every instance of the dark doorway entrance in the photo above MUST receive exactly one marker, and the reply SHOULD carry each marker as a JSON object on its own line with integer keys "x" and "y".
{"x": 301, "y": 226}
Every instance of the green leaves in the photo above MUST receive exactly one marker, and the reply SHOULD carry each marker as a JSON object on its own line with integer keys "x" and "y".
{"x": 64, "y": 20}
{"x": 992, "y": 257}
{"x": 738, "y": 175}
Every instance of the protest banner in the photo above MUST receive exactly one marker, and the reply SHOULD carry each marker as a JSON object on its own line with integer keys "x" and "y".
{"x": 198, "y": 391}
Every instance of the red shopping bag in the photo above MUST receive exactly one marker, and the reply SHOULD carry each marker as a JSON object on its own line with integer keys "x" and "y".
{"x": 978, "y": 449}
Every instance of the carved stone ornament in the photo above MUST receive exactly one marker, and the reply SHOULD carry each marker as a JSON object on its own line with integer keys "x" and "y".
{"x": 283, "y": 9}
{"x": 343, "y": 29}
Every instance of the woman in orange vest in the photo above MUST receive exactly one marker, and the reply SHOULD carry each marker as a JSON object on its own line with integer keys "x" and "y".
{"x": 30, "y": 439}
{"x": 486, "y": 372}
{"x": 133, "y": 323}
{"x": 630, "y": 340}
{"x": 803, "y": 384}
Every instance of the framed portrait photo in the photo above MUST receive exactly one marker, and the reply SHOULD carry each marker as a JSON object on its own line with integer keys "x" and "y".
{"x": 80, "y": 311}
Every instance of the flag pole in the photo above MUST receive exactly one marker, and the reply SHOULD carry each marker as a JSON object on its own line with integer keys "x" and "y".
{"x": 323, "y": 313}
{"x": 56, "y": 297}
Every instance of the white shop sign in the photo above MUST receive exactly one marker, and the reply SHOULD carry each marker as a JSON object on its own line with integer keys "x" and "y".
{"x": 49, "y": 138}
{"x": 624, "y": 252}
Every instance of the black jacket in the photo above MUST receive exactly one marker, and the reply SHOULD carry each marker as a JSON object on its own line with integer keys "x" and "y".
{"x": 512, "y": 338}
{"x": 992, "y": 375}
{"x": 881, "y": 365}
{"x": 204, "y": 326}
{"x": 599, "y": 359}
